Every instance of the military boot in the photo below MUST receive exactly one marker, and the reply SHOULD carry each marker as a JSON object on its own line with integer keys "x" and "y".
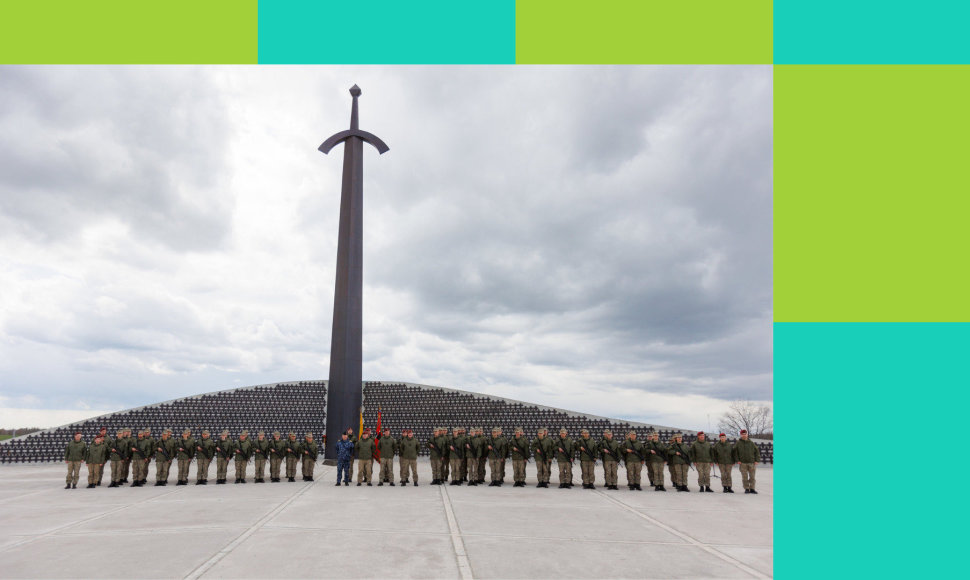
{"x": 291, "y": 479}
{"x": 68, "y": 486}
{"x": 390, "y": 483}
{"x": 709, "y": 490}
{"x": 338, "y": 484}
{"x": 159, "y": 483}
{"x": 113, "y": 484}
{"x": 754, "y": 492}
{"x": 381, "y": 484}
{"x": 415, "y": 484}
{"x": 73, "y": 486}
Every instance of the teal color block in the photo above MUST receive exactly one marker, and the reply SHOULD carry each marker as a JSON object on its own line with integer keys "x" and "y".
{"x": 870, "y": 474}
{"x": 872, "y": 32}
{"x": 387, "y": 32}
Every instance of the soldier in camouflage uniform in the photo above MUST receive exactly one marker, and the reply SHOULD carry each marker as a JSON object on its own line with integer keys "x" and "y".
{"x": 678, "y": 460}
{"x": 74, "y": 455}
{"x": 520, "y": 448}
{"x": 277, "y": 451}
{"x": 310, "y": 453}
{"x": 205, "y": 449}
{"x": 456, "y": 454}
{"x": 107, "y": 440}
{"x": 565, "y": 452}
{"x": 447, "y": 438}
{"x": 116, "y": 454}
{"x": 242, "y": 452}
{"x": 408, "y": 449}
{"x": 748, "y": 455}
{"x": 97, "y": 453}
{"x": 498, "y": 450}
{"x": 633, "y": 458}
{"x": 388, "y": 447}
{"x": 587, "y": 449}
{"x": 542, "y": 449}
{"x": 185, "y": 452}
{"x": 126, "y": 462}
{"x": 473, "y": 451}
{"x": 141, "y": 453}
{"x": 463, "y": 465}
{"x": 164, "y": 453}
{"x": 260, "y": 454}
{"x": 293, "y": 454}
{"x": 224, "y": 453}
{"x": 725, "y": 457}
{"x": 365, "y": 456}
{"x": 610, "y": 454}
{"x": 482, "y": 455}
{"x": 701, "y": 454}
{"x": 656, "y": 455}
{"x": 435, "y": 455}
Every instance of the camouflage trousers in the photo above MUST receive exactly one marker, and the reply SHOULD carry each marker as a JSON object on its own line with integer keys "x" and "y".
{"x": 115, "y": 470}
{"x": 633, "y": 472}
{"x": 364, "y": 470}
{"x": 463, "y": 469}
{"x": 496, "y": 468}
{"x": 518, "y": 470}
{"x": 543, "y": 470}
{"x": 409, "y": 464}
{"x": 456, "y": 468}
{"x": 703, "y": 474}
{"x": 445, "y": 468}
{"x": 139, "y": 469}
{"x": 473, "y": 468}
{"x": 387, "y": 469}
{"x": 678, "y": 473}
{"x": 259, "y": 467}
{"x": 95, "y": 471}
{"x": 291, "y": 465}
{"x": 656, "y": 472}
{"x": 609, "y": 472}
{"x": 565, "y": 471}
{"x": 308, "y": 464}
{"x": 435, "y": 467}
{"x": 222, "y": 466}
{"x": 589, "y": 473}
{"x": 73, "y": 471}
{"x": 726, "y": 469}
{"x": 274, "y": 466}
{"x": 100, "y": 474}
{"x": 184, "y": 469}
{"x": 241, "y": 468}
{"x": 747, "y": 475}
{"x": 161, "y": 469}
{"x": 125, "y": 466}
{"x": 202, "y": 467}
{"x": 481, "y": 468}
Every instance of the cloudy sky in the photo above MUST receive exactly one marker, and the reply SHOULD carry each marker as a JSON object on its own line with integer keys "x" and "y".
{"x": 594, "y": 238}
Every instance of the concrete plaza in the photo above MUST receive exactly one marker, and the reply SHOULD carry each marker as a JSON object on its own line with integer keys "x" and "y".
{"x": 317, "y": 530}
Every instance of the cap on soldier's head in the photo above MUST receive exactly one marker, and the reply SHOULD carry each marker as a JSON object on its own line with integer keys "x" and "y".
{"x": 205, "y": 431}
{"x": 120, "y": 431}
{"x": 225, "y": 432}
{"x": 261, "y": 434}
{"x": 607, "y": 432}
{"x": 291, "y": 434}
{"x": 387, "y": 429}
{"x": 494, "y": 429}
{"x": 309, "y": 436}
{"x": 245, "y": 432}
{"x": 586, "y": 431}
{"x": 187, "y": 431}
{"x": 169, "y": 431}
{"x": 722, "y": 435}
{"x": 699, "y": 433}
{"x": 678, "y": 434}
{"x": 366, "y": 431}
{"x": 744, "y": 431}
{"x": 631, "y": 432}
{"x": 276, "y": 433}
{"x": 563, "y": 430}
{"x": 519, "y": 430}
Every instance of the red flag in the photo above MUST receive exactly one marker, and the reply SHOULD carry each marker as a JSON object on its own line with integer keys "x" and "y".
{"x": 377, "y": 438}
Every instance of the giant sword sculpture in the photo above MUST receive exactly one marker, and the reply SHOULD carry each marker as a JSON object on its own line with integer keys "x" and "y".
{"x": 345, "y": 388}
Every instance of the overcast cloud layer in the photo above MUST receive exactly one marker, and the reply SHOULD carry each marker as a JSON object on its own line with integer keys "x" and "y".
{"x": 594, "y": 238}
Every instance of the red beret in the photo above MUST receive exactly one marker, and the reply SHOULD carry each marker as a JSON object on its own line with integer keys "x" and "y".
{"x": 699, "y": 433}
{"x": 744, "y": 431}
{"x": 722, "y": 435}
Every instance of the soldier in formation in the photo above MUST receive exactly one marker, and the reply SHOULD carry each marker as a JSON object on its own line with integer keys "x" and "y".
{"x": 260, "y": 455}
{"x": 117, "y": 451}
{"x": 656, "y": 456}
{"x": 205, "y": 450}
{"x": 141, "y": 454}
{"x": 702, "y": 455}
{"x": 678, "y": 460}
{"x": 185, "y": 452}
{"x": 310, "y": 450}
{"x": 277, "y": 452}
{"x": 164, "y": 453}
{"x": 542, "y": 449}
{"x": 293, "y": 455}
{"x": 564, "y": 458}
{"x": 365, "y": 457}
{"x": 242, "y": 451}
{"x": 388, "y": 447}
{"x": 520, "y": 450}
{"x": 747, "y": 455}
{"x": 610, "y": 455}
{"x": 633, "y": 457}
{"x": 456, "y": 455}
{"x": 498, "y": 450}
{"x": 97, "y": 453}
{"x": 725, "y": 457}
{"x": 408, "y": 451}
{"x": 74, "y": 455}
{"x": 587, "y": 449}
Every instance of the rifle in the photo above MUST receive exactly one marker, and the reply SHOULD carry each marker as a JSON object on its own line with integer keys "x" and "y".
{"x": 568, "y": 455}
{"x": 222, "y": 451}
{"x": 162, "y": 449}
{"x": 540, "y": 452}
{"x": 520, "y": 451}
{"x": 307, "y": 452}
{"x": 138, "y": 451}
{"x": 683, "y": 456}
{"x": 634, "y": 451}
{"x": 610, "y": 453}
{"x": 592, "y": 458}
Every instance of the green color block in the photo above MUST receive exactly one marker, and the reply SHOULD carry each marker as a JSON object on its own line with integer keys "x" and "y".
{"x": 643, "y": 32}
{"x": 872, "y": 193}
{"x": 129, "y": 32}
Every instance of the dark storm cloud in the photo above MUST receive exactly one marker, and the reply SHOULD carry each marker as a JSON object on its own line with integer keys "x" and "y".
{"x": 143, "y": 145}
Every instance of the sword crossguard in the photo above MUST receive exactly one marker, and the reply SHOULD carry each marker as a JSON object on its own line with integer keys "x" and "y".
{"x": 354, "y": 131}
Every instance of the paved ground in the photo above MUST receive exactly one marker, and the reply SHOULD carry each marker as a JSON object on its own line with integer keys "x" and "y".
{"x": 316, "y": 530}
